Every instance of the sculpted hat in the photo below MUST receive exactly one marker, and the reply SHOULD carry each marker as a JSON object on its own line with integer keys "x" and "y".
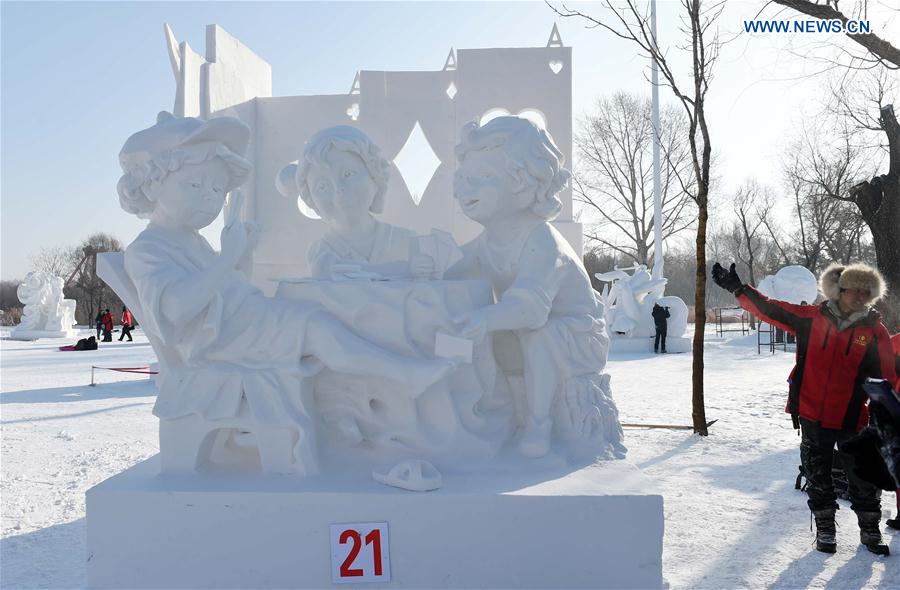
{"x": 854, "y": 276}
{"x": 171, "y": 132}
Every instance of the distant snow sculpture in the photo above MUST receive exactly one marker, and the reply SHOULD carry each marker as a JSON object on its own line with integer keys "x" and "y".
{"x": 630, "y": 301}
{"x": 794, "y": 284}
{"x": 47, "y": 313}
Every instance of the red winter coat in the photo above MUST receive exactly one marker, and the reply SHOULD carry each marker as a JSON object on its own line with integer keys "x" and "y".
{"x": 107, "y": 322}
{"x": 895, "y": 341}
{"x": 826, "y": 384}
{"x": 127, "y": 319}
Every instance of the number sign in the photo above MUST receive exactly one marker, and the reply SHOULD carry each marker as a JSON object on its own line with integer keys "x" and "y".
{"x": 360, "y": 553}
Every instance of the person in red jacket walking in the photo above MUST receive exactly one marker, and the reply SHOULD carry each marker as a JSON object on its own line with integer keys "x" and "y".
{"x": 840, "y": 343}
{"x": 107, "y": 325}
{"x": 127, "y": 324}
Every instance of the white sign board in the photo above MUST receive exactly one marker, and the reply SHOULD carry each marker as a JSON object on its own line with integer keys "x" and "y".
{"x": 360, "y": 552}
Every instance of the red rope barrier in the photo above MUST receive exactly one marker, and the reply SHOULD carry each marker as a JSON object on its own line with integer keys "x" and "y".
{"x": 139, "y": 370}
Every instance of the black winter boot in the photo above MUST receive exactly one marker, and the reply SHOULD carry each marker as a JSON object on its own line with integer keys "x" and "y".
{"x": 870, "y": 533}
{"x": 826, "y": 533}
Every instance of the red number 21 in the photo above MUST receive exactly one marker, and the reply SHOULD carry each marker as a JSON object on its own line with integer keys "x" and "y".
{"x": 373, "y": 538}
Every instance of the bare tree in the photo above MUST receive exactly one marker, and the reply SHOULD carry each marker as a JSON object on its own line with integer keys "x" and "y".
{"x": 752, "y": 207}
{"x": 878, "y": 51}
{"x": 54, "y": 260}
{"x": 614, "y": 180}
{"x": 89, "y": 290}
{"x": 628, "y": 21}
{"x": 830, "y": 229}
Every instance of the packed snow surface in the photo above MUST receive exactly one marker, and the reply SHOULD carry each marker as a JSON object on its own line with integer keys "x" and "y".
{"x": 733, "y": 518}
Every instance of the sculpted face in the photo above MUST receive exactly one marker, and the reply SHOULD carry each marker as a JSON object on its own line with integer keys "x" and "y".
{"x": 192, "y": 196}
{"x": 486, "y": 191}
{"x": 342, "y": 189}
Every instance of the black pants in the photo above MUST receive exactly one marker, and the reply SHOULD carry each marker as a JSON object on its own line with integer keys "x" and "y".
{"x": 99, "y": 329}
{"x": 126, "y": 331}
{"x": 660, "y": 337}
{"x": 817, "y": 455}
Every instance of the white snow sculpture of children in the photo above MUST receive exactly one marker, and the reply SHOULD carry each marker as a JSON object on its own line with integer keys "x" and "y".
{"x": 509, "y": 173}
{"x": 343, "y": 178}
{"x": 228, "y": 345}
{"x": 33, "y": 292}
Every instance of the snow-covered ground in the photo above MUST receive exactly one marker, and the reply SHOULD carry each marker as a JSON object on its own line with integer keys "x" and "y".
{"x": 733, "y": 518}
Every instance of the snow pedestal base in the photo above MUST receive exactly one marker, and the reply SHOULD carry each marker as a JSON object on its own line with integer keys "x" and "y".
{"x": 37, "y": 334}
{"x": 673, "y": 344}
{"x": 597, "y": 527}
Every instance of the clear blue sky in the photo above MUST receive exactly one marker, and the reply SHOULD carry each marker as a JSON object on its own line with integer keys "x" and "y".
{"x": 78, "y": 78}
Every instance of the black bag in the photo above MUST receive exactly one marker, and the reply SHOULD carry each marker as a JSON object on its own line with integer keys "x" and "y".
{"x": 86, "y": 344}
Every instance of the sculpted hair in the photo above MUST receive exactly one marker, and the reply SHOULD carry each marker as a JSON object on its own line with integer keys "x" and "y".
{"x": 136, "y": 186}
{"x": 531, "y": 154}
{"x": 291, "y": 179}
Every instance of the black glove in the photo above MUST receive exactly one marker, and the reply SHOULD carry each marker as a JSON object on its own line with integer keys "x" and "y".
{"x": 728, "y": 280}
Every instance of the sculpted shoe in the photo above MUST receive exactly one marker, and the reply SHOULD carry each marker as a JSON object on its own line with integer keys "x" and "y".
{"x": 535, "y": 441}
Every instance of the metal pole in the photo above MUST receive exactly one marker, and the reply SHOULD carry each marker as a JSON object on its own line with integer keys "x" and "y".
{"x": 657, "y": 197}
{"x": 92, "y": 377}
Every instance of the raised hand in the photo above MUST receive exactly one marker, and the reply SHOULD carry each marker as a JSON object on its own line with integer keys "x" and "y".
{"x": 728, "y": 280}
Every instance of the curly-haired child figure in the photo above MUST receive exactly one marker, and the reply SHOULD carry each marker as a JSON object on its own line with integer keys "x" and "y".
{"x": 509, "y": 173}
{"x": 343, "y": 178}
{"x": 197, "y": 305}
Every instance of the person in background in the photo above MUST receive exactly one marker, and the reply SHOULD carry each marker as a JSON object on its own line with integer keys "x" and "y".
{"x": 660, "y": 318}
{"x": 98, "y": 322}
{"x": 127, "y": 324}
{"x": 107, "y": 325}
{"x": 840, "y": 343}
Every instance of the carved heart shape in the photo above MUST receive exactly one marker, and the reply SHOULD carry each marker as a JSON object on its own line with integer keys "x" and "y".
{"x": 555, "y": 66}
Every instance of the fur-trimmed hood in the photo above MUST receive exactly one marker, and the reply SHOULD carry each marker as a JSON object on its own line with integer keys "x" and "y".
{"x": 853, "y": 276}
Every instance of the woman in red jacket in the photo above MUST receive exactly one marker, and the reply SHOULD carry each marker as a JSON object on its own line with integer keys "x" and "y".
{"x": 107, "y": 325}
{"x": 840, "y": 343}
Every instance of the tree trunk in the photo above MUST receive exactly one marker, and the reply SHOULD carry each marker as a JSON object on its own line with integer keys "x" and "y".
{"x": 697, "y": 402}
{"x": 879, "y": 203}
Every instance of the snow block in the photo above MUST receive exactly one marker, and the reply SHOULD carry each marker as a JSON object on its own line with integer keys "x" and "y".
{"x": 597, "y": 527}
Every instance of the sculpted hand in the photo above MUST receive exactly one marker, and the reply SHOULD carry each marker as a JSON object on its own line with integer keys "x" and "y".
{"x": 728, "y": 280}
{"x": 421, "y": 266}
{"x": 472, "y": 325}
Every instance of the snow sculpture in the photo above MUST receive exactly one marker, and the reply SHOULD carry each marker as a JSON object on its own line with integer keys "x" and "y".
{"x": 794, "y": 284}
{"x": 629, "y": 301}
{"x": 47, "y": 313}
{"x": 235, "y": 365}
{"x": 547, "y": 323}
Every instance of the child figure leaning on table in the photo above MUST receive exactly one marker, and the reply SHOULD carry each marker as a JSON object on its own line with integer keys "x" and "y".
{"x": 343, "y": 178}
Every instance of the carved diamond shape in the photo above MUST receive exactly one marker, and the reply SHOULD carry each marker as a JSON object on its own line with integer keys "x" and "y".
{"x": 451, "y": 90}
{"x": 353, "y": 111}
{"x": 417, "y": 163}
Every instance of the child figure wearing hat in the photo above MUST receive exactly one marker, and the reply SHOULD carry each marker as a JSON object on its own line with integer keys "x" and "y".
{"x": 342, "y": 176}
{"x": 840, "y": 343}
{"x": 177, "y": 174}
